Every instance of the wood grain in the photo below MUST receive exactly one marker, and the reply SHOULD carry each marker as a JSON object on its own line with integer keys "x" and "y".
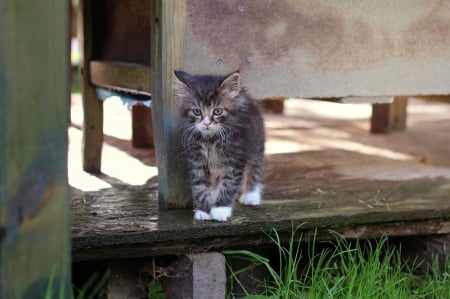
{"x": 131, "y": 77}
{"x": 167, "y": 47}
{"x": 127, "y": 223}
{"x": 92, "y": 107}
{"x": 34, "y": 218}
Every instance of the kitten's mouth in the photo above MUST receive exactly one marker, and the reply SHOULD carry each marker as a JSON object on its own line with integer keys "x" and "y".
{"x": 208, "y": 132}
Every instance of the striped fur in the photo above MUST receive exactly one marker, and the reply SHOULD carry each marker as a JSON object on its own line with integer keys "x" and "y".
{"x": 222, "y": 135}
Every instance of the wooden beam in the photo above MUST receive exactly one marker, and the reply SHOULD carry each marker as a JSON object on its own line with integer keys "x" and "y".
{"x": 259, "y": 238}
{"x": 167, "y": 31}
{"x": 34, "y": 97}
{"x": 92, "y": 107}
{"x": 130, "y": 77}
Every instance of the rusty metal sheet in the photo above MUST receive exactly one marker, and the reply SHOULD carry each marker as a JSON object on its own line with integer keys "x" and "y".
{"x": 322, "y": 48}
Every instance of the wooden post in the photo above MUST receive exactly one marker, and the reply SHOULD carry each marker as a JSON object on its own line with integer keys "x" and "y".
{"x": 142, "y": 124}
{"x": 168, "y": 24}
{"x": 389, "y": 117}
{"x": 92, "y": 107}
{"x": 34, "y": 220}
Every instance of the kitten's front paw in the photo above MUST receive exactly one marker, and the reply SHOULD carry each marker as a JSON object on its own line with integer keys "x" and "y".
{"x": 200, "y": 215}
{"x": 252, "y": 198}
{"x": 221, "y": 213}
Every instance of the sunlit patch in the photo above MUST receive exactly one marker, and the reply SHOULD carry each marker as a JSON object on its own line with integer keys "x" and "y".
{"x": 116, "y": 164}
{"x": 327, "y": 110}
{"x": 85, "y": 181}
{"x": 76, "y": 176}
{"x": 114, "y": 111}
{"x": 284, "y": 147}
{"x": 119, "y": 165}
{"x": 359, "y": 148}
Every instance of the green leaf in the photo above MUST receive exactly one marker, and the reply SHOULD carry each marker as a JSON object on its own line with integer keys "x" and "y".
{"x": 156, "y": 290}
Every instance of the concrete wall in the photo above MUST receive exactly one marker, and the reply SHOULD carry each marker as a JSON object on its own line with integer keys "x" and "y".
{"x": 301, "y": 48}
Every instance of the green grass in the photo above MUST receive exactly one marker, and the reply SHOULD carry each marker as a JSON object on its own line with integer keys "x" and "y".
{"x": 92, "y": 289}
{"x": 345, "y": 270}
{"x": 75, "y": 86}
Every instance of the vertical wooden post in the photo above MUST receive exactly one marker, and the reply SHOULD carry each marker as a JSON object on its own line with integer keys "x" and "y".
{"x": 388, "y": 117}
{"x": 92, "y": 107}
{"x": 34, "y": 220}
{"x": 400, "y": 113}
{"x": 168, "y": 22}
{"x": 142, "y": 125}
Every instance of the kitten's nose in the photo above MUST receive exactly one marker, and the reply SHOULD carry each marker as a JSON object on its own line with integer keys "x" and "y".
{"x": 206, "y": 122}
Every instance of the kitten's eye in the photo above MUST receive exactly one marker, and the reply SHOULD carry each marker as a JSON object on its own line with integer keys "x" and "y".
{"x": 218, "y": 111}
{"x": 197, "y": 111}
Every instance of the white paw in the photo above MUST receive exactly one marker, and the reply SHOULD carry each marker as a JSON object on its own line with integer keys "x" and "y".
{"x": 252, "y": 198}
{"x": 221, "y": 213}
{"x": 200, "y": 215}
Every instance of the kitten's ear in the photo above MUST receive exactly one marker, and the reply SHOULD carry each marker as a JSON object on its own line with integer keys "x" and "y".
{"x": 231, "y": 85}
{"x": 181, "y": 89}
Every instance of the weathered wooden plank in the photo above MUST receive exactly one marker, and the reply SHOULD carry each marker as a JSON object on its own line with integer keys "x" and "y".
{"x": 122, "y": 223}
{"x": 259, "y": 238}
{"x": 34, "y": 220}
{"x": 92, "y": 107}
{"x": 167, "y": 30}
{"x": 124, "y": 76}
{"x": 317, "y": 49}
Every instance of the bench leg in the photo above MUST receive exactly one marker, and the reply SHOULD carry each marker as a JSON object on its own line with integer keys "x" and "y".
{"x": 92, "y": 107}
{"x": 389, "y": 117}
{"x": 142, "y": 126}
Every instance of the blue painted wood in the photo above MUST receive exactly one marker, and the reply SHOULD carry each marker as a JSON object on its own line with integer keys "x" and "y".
{"x": 127, "y": 99}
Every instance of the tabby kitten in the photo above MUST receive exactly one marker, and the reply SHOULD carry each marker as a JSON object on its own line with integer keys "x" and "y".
{"x": 222, "y": 136}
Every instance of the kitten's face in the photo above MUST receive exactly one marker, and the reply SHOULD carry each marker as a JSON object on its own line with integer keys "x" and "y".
{"x": 205, "y": 102}
{"x": 208, "y": 119}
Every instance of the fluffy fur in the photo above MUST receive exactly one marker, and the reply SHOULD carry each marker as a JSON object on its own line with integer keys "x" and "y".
{"x": 222, "y": 135}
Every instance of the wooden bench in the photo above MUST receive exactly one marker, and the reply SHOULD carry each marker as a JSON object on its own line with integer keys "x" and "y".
{"x": 295, "y": 49}
{"x": 289, "y": 48}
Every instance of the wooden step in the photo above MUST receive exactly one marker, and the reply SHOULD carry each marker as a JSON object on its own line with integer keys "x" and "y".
{"x": 124, "y": 223}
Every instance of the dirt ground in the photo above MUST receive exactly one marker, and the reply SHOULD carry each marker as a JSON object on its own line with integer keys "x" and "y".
{"x": 330, "y": 140}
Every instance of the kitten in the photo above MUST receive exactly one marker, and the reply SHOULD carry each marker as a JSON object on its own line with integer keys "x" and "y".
{"x": 222, "y": 136}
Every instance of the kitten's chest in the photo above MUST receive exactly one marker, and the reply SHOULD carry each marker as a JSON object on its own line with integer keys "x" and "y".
{"x": 212, "y": 155}
{"x": 215, "y": 163}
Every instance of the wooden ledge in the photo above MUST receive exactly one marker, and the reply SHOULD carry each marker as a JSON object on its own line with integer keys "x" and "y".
{"x": 128, "y": 77}
{"x": 127, "y": 223}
